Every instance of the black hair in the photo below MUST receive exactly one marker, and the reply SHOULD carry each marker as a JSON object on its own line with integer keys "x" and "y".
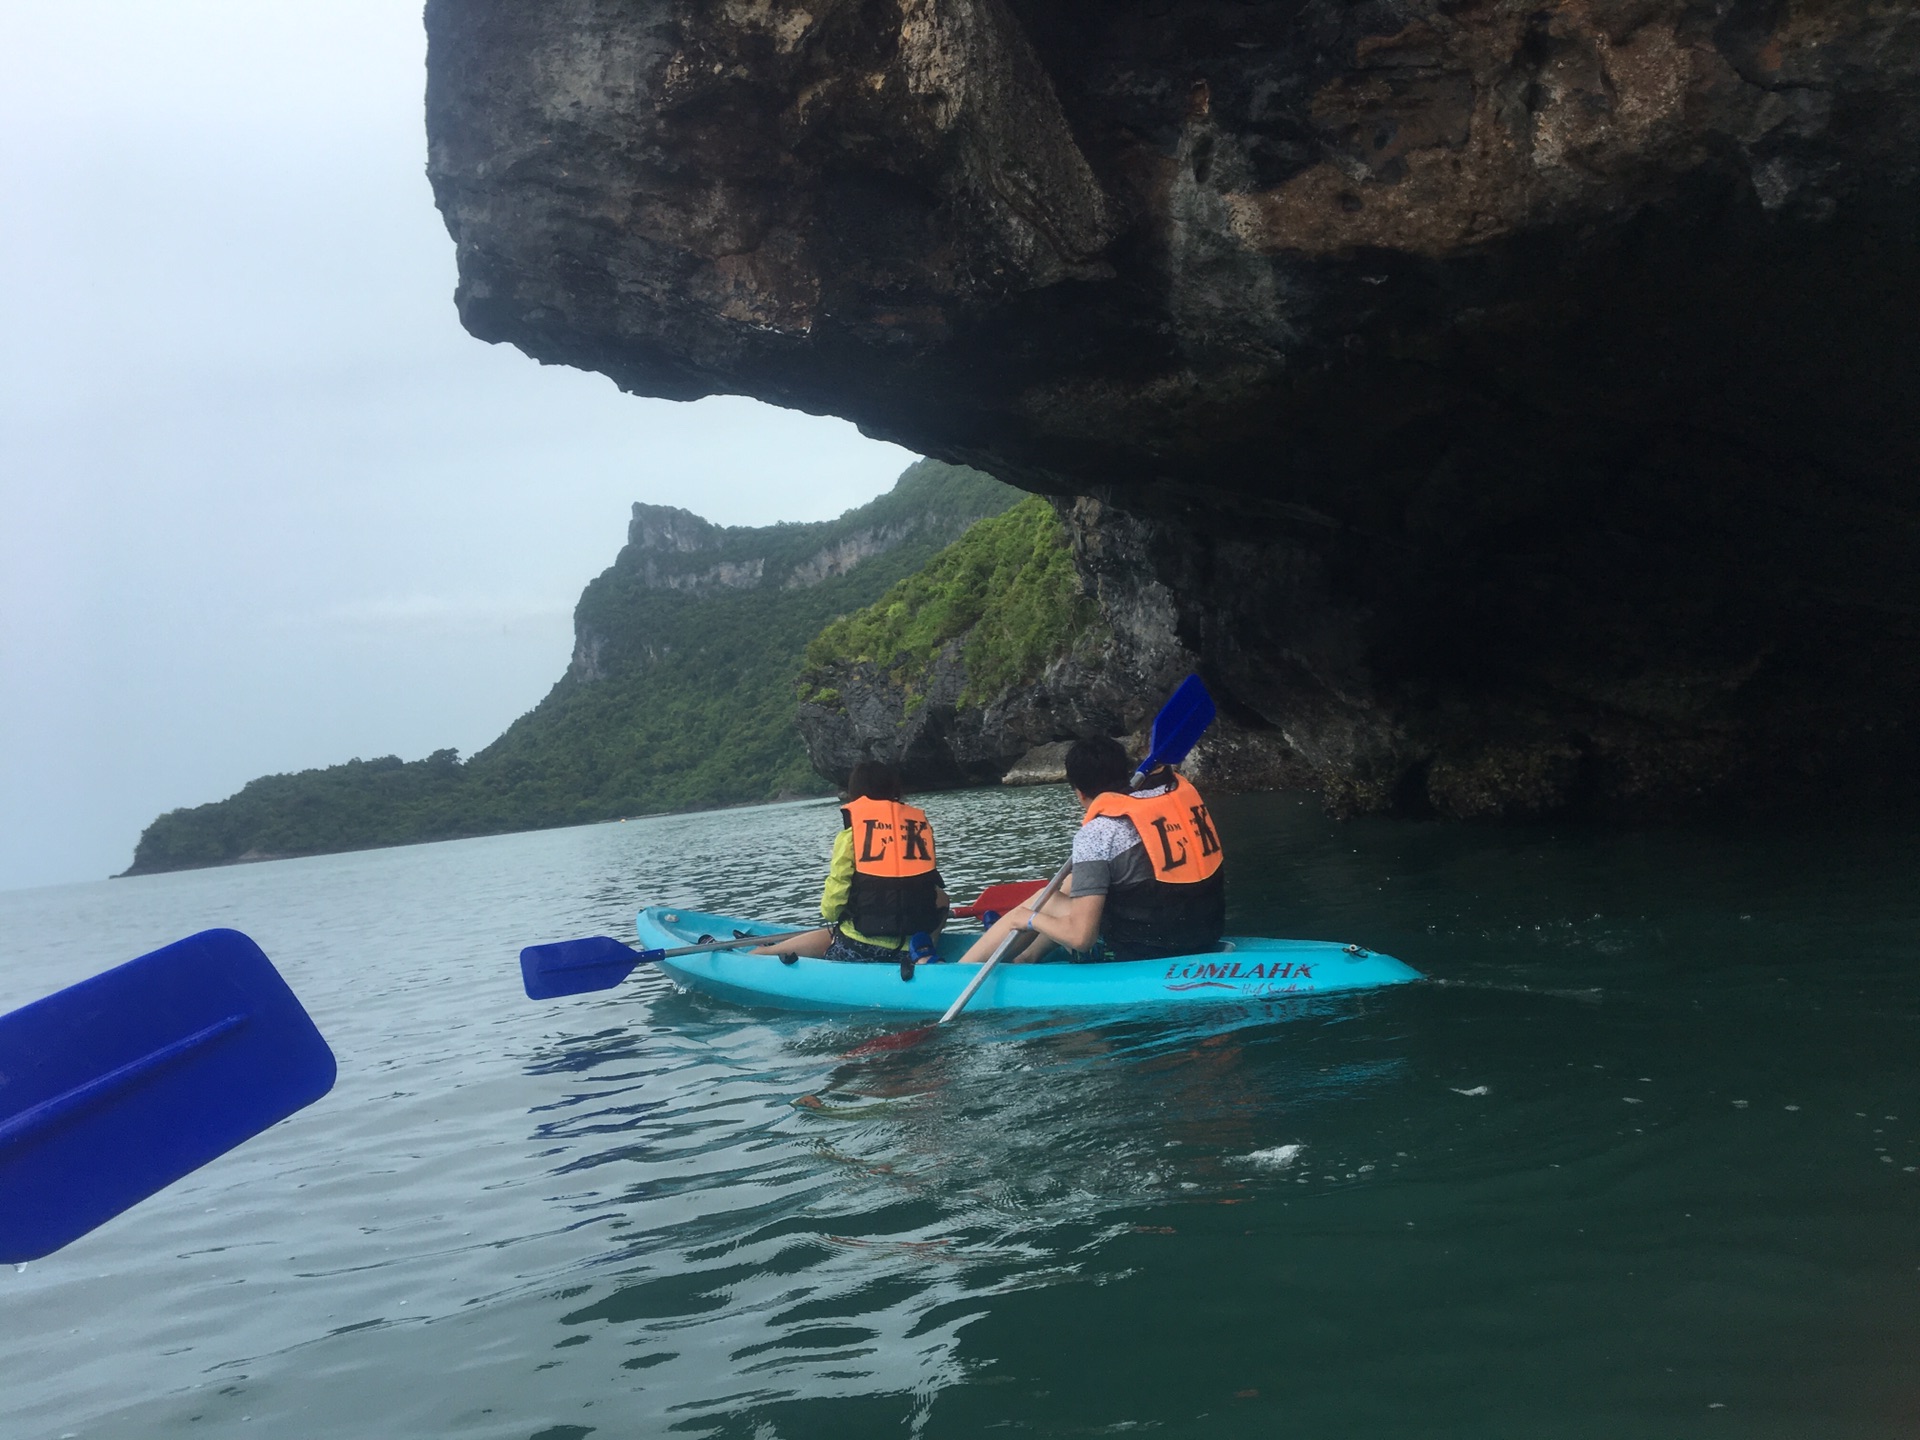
{"x": 874, "y": 780}
{"x": 1097, "y": 765}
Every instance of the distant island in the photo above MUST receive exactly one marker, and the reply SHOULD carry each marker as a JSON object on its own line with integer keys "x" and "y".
{"x": 681, "y": 691}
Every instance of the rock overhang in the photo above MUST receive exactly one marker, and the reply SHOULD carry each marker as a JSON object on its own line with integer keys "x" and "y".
{"x": 1512, "y": 406}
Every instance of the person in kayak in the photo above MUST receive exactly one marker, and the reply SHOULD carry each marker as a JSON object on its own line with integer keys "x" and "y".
{"x": 883, "y": 886}
{"x": 1148, "y": 877}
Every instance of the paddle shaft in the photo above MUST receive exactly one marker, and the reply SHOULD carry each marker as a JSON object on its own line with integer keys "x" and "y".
{"x": 733, "y": 944}
{"x": 1039, "y": 904}
{"x": 1180, "y": 723}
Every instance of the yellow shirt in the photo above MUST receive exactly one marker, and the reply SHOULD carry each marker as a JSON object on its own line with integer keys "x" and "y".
{"x": 833, "y": 899}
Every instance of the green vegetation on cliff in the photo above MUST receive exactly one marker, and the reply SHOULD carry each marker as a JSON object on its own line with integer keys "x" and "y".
{"x": 680, "y": 695}
{"x": 1008, "y": 586}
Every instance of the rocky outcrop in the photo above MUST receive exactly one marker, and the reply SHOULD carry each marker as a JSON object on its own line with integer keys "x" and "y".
{"x": 1042, "y": 765}
{"x": 1510, "y": 407}
{"x": 674, "y": 549}
{"x": 956, "y": 672}
{"x": 941, "y": 742}
{"x": 619, "y": 623}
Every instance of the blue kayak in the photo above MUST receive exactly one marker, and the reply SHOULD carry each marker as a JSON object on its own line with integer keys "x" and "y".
{"x": 1244, "y": 968}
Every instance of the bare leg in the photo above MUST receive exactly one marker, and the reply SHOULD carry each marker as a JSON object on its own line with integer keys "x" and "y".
{"x": 990, "y": 938}
{"x": 1015, "y": 919}
{"x": 1038, "y": 947}
{"x": 813, "y": 945}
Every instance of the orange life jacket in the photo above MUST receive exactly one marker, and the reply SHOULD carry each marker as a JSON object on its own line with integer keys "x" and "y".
{"x": 894, "y": 892}
{"x": 889, "y": 838}
{"x": 1182, "y": 910}
{"x": 1175, "y": 827}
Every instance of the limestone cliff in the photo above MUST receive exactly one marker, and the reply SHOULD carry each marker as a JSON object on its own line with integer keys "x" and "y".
{"x": 1509, "y": 406}
{"x": 959, "y": 670}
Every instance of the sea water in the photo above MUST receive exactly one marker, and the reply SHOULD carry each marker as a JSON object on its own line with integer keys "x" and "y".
{"x": 1638, "y": 1160}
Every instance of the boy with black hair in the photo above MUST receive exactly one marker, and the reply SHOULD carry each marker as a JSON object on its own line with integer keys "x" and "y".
{"x": 1148, "y": 876}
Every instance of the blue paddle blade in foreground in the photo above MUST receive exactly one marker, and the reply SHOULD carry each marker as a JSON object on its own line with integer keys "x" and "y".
{"x": 116, "y": 1087}
{"x": 1180, "y": 724}
{"x": 573, "y": 967}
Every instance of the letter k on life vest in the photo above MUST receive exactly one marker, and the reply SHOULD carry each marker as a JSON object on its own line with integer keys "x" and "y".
{"x": 1175, "y": 828}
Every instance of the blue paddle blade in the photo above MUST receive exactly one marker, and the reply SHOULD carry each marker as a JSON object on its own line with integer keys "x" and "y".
{"x": 1180, "y": 724}
{"x": 118, "y": 1086}
{"x": 573, "y": 967}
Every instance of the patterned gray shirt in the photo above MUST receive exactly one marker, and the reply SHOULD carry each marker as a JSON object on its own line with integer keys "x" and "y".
{"x": 1108, "y": 855}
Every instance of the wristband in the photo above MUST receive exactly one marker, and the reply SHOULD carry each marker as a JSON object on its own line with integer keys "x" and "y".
{"x": 1032, "y": 915}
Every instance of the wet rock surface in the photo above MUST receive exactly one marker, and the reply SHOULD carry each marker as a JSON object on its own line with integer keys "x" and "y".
{"x": 1511, "y": 408}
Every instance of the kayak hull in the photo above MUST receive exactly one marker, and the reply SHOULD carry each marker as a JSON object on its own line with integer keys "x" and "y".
{"x": 1245, "y": 968}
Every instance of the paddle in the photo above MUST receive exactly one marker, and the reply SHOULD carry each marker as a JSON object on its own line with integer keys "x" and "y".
{"x": 998, "y": 899}
{"x": 960, "y": 1002}
{"x": 116, "y": 1087}
{"x": 1179, "y": 725}
{"x": 600, "y": 962}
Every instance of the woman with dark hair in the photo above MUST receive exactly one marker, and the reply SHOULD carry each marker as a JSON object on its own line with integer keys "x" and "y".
{"x": 1148, "y": 879}
{"x": 882, "y": 885}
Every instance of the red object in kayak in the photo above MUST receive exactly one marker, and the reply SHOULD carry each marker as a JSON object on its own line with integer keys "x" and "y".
{"x": 999, "y": 899}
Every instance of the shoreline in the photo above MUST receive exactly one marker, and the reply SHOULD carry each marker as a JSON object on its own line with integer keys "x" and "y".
{"x": 256, "y": 858}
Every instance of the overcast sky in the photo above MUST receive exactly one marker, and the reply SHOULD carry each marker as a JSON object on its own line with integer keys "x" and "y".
{"x": 263, "y": 504}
